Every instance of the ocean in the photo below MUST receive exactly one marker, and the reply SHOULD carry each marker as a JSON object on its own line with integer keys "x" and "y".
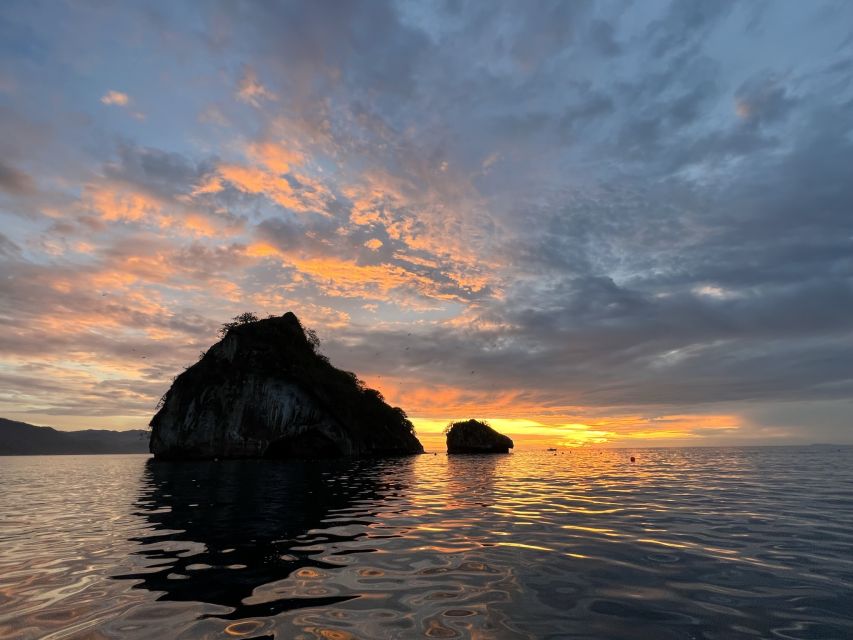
{"x": 698, "y": 543}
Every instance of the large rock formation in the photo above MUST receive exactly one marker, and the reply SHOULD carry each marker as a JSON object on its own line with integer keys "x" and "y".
{"x": 264, "y": 391}
{"x": 473, "y": 436}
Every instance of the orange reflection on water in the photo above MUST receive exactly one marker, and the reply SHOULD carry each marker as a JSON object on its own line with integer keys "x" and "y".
{"x": 566, "y": 503}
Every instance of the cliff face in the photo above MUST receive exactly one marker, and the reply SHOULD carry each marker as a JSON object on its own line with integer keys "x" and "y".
{"x": 473, "y": 436}
{"x": 263, "y": 391}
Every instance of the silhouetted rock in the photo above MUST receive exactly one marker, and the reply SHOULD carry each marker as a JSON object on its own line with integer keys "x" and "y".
{"x": 473, "y": 436}
{"x": 264, "y": 391}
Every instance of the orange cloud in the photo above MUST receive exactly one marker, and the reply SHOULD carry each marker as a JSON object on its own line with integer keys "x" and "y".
{"x": 567, "y": 435}
{"x": 309, "y": 197}
{"x": 367, "y": 206}
{"x": 262, "y": 250}
{"x": 211, "y": 185}
{"x": 253, "y": 180}
{"x": 432, "y": 231}
{"x": 115, "y": 202}
{"x": 626, "y": 430}
{"x": 274, "y": 157}
{"x": 200, "y": 225}
{"x": 514, "y": 412}
{"x": 348, "y": 279}
{"x": 115, "y": 98}
{"x": 431, "y": 400}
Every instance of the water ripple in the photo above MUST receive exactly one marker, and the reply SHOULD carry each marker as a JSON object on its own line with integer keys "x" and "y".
{"x": 691, "y": 543}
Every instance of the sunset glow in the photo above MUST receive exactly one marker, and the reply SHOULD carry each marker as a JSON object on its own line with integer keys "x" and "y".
{"x": 541, "y": 249}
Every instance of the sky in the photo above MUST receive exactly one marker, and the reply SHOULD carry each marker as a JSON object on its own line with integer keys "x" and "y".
{"x": 592, "y": 223}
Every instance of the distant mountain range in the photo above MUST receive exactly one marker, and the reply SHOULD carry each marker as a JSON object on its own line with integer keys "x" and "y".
{"x": 22, "y": 439}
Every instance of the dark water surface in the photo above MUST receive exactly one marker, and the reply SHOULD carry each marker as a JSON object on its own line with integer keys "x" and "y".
{"x": 689, "y": 543}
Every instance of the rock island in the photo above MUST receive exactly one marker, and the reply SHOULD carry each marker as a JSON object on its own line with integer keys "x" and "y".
{"x": 264, "y": 390}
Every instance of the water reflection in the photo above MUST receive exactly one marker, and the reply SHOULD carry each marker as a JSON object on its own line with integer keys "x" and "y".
{"x": 518, "y": 546}
{"x": 220, "y": 530}
{"x": 471, "y": 479}
{"x": 698, "y": 544}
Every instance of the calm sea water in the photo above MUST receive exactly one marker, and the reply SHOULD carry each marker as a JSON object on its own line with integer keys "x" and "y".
{"x": 690, "y": 543}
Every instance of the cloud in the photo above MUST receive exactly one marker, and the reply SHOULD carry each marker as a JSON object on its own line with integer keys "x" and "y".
{"x": 763, "y": 98}
{"x": 625, "y": 221}
{"x": 115, "y": 98}
{"x": 14, "y": 181}
{"x": 7, "y": 247}
{"x": 250, "y": 90}
{"x": 276, "y": 157}
{"x": 118, "y": 99}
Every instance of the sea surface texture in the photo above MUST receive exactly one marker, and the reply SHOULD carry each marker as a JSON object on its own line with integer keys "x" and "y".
{"x": 687, "y": 543}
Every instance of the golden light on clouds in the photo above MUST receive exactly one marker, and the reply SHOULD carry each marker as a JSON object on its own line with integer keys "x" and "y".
{"x": 511, "y": 412}
{"x": 115, "y": 98}
{"x": 571, "y": 266}
{"x": 525, "y": 433}
{"x": 274, "y": 156}
{"x": 618, "y": 431}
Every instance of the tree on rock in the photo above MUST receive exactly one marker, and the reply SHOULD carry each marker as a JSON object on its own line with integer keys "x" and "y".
{"x": 244, "y": 318}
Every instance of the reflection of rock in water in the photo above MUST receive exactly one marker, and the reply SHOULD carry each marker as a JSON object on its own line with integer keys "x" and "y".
{"x": 220, "y": 530}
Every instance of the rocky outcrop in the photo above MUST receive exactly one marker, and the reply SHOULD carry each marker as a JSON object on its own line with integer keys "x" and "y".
{"x": 473, "y": 436}
{"x": 264, "y": 391}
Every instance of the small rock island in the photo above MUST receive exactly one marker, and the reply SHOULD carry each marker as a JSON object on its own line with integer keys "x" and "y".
{"x": 265, "y": 391}
{"x": 473, "y": 436}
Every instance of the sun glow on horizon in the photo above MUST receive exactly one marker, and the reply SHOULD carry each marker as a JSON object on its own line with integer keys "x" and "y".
{"x": 684, "y": 429}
